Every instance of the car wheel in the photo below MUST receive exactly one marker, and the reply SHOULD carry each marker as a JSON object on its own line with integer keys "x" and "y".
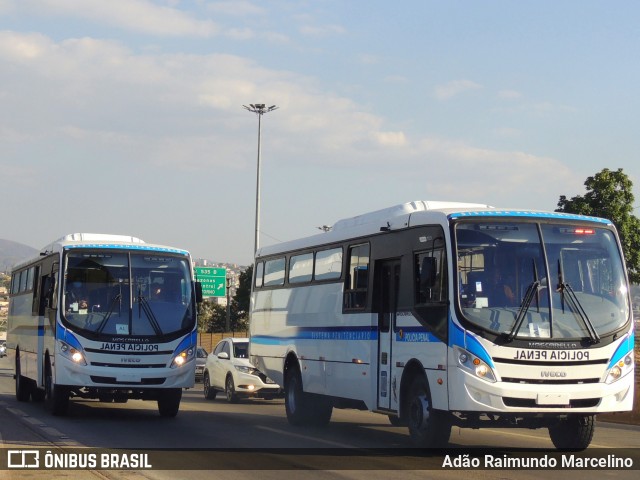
{"x": 209, "y": 391}
{"x": 230, "y": 390}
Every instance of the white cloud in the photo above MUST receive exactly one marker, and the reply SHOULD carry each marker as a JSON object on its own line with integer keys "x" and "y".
{"x": 236, "y": 7}
{"x": 391, "y": 139}
{"x": 321, "y": 30}
{"x": 454, "y": 88}
{"x": 141, "y": 16}
{"x": 509, "y": 94}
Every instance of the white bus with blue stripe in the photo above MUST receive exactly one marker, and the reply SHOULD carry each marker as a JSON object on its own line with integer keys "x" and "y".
{"x": 446, "y": 314}
{"x": 106, "y": 317}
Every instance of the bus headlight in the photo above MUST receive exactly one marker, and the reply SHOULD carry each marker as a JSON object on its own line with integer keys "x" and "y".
{"x": 73, "y": 354}
{"x": 183, "y": 357}
{"x": 474, "y": 365}
{"x": 620, "y": 369}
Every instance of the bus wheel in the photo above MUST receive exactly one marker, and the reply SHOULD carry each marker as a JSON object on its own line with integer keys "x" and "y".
{"x": 209, "y": 391}
{"x": 428, "y": 427}
{"x": 573, "y": 433}
{"x": 295, "y": 401}
{"x": 56, "y": 397}
{"x": 169, "y": 402}
{"x": 321, "y": 410}
{"x": 23, "y": 386}
{"x": 396, "y": 421}
{"x": 303, "y": 408}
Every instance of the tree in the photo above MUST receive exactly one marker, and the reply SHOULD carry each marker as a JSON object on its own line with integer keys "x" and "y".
{"x": 211, "y": 317}
{"x": 241, "y": 302}
{"x": 609, "y": 195}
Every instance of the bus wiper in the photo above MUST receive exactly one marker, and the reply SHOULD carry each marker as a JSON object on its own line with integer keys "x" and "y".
{"x": 143, "y": 304}
{"x": 103, "y": 323}
{"x": 575, "y": 305}
{"x": 532, "y": 291}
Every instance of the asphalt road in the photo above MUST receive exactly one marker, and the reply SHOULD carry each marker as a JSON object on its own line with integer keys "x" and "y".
{"x": 354, "y": 445}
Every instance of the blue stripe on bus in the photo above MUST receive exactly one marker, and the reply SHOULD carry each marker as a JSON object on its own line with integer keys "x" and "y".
{"x": 625, "y": 347}
{"x": 319, "y": 333}
{"x": 528, "y": 214}
{"x": 67, "y": 337}
{"x": 469, "y": 343}
{"x": 127, "y": 247}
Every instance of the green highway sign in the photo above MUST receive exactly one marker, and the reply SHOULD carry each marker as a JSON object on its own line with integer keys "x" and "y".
{"x": 213, "y": 280}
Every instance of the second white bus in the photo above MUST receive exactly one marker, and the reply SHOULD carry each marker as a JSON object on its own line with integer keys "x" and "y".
{"x": 440, "y": 314}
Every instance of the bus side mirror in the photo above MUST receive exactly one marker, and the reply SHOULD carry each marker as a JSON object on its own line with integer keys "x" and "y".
{"x": 199, "y": 297}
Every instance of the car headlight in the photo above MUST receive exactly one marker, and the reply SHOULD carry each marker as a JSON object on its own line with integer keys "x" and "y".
{"x": 244, "y": 369}
{"x": 474, "y": 365}
{"x": 183, "y": 357}
{"x": 73, "y": 354}
{"x": 620, "y": 368}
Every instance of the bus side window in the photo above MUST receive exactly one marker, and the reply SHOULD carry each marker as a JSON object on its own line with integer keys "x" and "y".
{"x": 37, "y": 293}
{"x": 357, "y": 278}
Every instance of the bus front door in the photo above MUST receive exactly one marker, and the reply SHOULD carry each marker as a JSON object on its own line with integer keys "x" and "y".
{"x": 388, "y": 285}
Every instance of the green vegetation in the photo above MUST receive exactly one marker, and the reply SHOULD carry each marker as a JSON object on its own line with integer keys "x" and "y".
{"x": 609, "y": 195}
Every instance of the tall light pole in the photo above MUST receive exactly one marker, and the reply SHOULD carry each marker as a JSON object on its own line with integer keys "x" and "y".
{"x": 259, "y": 109}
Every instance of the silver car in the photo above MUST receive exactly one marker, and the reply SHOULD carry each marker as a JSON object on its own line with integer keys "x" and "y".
{"x": 228, "y": 370}
{"x": 201, "y": 359}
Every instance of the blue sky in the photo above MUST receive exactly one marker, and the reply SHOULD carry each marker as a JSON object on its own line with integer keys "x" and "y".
{"x": 125, "y": 116}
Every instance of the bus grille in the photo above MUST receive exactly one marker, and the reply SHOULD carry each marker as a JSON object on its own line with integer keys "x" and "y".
{"x": 531, "y": 403}
{"x": 564, "y": 381}
{"x": 128, "y": 365}
{"x": 114, "y": 381}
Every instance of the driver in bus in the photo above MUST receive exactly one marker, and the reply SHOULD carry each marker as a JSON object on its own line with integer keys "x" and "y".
{"x": 76, "y": 299}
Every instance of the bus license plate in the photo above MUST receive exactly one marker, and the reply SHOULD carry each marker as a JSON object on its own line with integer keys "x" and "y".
{"x": 552, "y": 399}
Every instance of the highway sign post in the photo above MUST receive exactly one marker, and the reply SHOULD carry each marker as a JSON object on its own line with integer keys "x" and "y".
{"x": 213, "y": 280}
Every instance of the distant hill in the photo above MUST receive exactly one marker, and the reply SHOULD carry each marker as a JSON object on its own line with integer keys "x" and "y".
{"x": 12, "y": 253}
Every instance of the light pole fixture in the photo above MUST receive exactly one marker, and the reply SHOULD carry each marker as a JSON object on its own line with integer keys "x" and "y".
{"x": 259, "y": 109}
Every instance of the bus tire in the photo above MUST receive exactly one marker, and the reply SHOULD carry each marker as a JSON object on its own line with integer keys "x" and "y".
{"x": 296, "y": 402}
{"x": 209, "y": 391}
{"x": 169, "y": 402}
{"x": 23, "y": 385}
{"x": 396, "y": 421}
{"x": 320, "y": 410}
{"x": 428, "y": 427}
{"x": 573, "y": 433}
{"x": 56, "y": 397}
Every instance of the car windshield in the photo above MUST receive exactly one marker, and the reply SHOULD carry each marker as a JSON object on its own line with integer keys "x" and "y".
{"x": 548, "y": 280}
{"x": 127, "y": 294}
{"x": 241, "y": 349}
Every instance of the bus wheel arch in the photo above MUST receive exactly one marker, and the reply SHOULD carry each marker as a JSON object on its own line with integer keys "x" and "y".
{"x": 303, "y": 408}
{"x": 23, "y": 385}
{"x": 428, "y": 427}
{"x": 413, "y": 369}
{"x": 56, "y": 397}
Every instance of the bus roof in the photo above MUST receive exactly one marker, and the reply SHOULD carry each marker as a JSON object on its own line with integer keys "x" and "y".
{"x": 411, "y": 214}
{"x": 99, "y": 240}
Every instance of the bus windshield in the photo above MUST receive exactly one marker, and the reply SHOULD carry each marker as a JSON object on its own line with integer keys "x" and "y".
{"x": 126, "y": 294}
{"x": 546, "y": 280}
